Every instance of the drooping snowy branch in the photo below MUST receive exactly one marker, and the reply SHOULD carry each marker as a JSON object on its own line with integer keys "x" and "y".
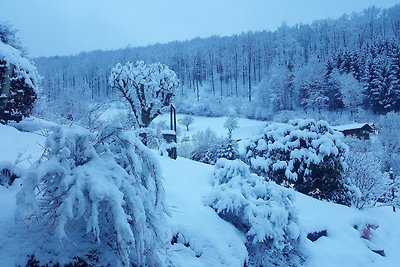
{"x": 106, "y": 189}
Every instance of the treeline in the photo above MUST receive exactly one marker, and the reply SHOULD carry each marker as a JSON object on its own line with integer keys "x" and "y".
{"x": 305, "y": 66}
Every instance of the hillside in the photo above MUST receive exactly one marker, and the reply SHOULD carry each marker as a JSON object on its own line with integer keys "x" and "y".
{"x": 321, "y": 66}
{"x": 202, "y": 238}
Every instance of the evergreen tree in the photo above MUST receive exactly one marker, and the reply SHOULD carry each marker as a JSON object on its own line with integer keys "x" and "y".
{"x": 394, "y": 76}
{"x": 19, "y": 78}
{"x": 307, "y": 155}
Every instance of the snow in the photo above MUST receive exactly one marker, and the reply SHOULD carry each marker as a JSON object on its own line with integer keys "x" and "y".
{"x": 19, "y": 147}
{"x": 217, "y": 241}
{"x": 204, "y": 239}
{"x": 246, "y": 127}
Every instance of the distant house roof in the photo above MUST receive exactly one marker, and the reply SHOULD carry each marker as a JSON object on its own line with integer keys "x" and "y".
{"x": 361, "y": 130}
{"x": 355, "y": 126}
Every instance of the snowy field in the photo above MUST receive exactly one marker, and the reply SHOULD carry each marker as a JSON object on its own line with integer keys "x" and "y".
{"x": 246, "y": 129}
{"x": 203, "y": 239}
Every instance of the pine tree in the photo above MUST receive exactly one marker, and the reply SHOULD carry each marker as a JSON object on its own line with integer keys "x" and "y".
{"x": 377, "y": 85}
{"x": 19, "y": 78}
{"x": 394, "y": 76}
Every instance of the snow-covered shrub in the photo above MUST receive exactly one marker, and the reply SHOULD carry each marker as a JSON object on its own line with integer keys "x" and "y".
{"x": 371, "y": 185}
{"x": 262, "y": 210}
{"x": 208, "y": 148}
{"x": 185, "y": 146}
{"x": 389, "y": 139}
{"x": 205, "y": 146}
{"x": 95, "y": 193}
{"x": 227, "y": 149}
{"x": 307, "y": 155}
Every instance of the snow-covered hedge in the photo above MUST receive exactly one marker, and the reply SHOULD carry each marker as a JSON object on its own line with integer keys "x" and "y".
{"x": 307, "y": 155}
{"x": 263, "y": 210}
{"x": 102, "y": 192}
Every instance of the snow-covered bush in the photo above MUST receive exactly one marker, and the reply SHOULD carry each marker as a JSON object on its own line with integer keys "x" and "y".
{"x": 365, "y": 173}
{"x": 307, "y": 155}
{"x": 371, "y": 185}
{"x": 262, "y": 210}
{"x": 389, "y": 139}
{"x": 185, "y": 146}
{"x": 102, "y": 192}
{"x": 208, "y": 148}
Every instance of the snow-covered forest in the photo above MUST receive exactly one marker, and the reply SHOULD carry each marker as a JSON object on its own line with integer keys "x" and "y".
{"x": 271, "y": 148}
{"x": 334, "y": 64}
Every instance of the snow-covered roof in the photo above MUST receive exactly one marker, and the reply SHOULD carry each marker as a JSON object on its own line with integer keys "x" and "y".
{"x": 352, "y": 126}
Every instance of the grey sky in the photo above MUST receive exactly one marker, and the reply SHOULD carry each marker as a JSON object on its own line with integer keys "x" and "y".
{"x": 65, "y": 27}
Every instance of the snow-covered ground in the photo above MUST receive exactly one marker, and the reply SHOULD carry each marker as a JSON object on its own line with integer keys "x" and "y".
{"x": 202, "y": 238}
{"x": 246, "y": 127}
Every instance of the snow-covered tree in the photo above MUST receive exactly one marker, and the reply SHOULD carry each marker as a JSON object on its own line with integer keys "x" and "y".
{"x": 389, "y": 137}
{"x": 146, "y": 87}
{"x": 8, "y": 35}
{"x": 350, "y": 89}
{"x": 231, "y": 124}
{"x": 262, "y": 210}
{"x": 307, "y": 155}
{"x": 186, "y": 121}
{"x": 370, "y": 182}
{"x": 19, "y": 78}
{"x": 102, "y": 192}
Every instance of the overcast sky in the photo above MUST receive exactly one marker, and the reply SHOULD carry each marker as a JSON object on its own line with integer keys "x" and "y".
{"x": 67, "y": 27}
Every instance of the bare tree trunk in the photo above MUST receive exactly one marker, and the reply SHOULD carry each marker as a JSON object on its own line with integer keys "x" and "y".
{"x": 212, "y": 81}
{"x": 236, "y": 73}
{"x": 249, "y": 73}
{"x": 197, "y": 90}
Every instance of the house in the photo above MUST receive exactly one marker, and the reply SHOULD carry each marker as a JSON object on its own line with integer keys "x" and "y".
{"x": 359, "y": 130}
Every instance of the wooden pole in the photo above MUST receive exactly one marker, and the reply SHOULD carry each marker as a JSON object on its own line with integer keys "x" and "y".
{"x": 393, "y": 195}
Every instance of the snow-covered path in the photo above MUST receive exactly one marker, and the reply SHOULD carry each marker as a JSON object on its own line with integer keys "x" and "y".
{"x": 213, "y": 242}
